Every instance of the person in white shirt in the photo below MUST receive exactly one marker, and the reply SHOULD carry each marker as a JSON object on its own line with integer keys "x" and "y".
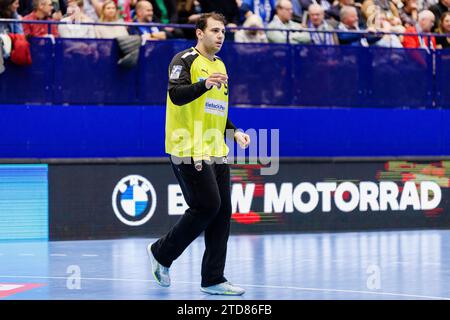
{"x": 283, "y": 20}
{"x": 110, "y": 14}
{"x": 72, "y": 27}
{"x": 251, "y": 36}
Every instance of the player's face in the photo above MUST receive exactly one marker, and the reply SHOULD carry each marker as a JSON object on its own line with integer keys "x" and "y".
{"x": 213, "y": 36}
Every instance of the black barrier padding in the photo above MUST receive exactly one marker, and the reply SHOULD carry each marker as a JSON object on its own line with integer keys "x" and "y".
{"x": 81, "y": 199}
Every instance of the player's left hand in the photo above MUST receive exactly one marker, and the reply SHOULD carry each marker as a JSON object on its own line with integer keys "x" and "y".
{"x": 242, "y": 139}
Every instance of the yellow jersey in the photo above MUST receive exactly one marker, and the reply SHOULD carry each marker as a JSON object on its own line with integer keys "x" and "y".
{"x": 196, "y": 118}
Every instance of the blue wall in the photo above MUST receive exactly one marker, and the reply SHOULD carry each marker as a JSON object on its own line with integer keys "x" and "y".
{"x": 135, "y": 131}
{"x": 86, "y": 72}
{"x": 76, "y": 102}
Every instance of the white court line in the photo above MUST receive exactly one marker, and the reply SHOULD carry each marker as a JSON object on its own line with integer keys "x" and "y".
{"x": 307, "y": 260}
{"x": 353, "y": 291}
{"x": 58, "y": 255}
{"x": 401, "y": 262}
{"x": 89, "y": 255}
{"x": 393, "y": 294}
{"x": 236, "y": 259}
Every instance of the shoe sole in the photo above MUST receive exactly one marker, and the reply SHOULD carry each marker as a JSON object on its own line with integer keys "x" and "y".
{"x": 226, "y": 293}
{"x": 150, "y": 255}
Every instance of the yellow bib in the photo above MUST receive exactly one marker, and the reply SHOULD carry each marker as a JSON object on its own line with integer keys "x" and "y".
{"x": 197, "y": 129}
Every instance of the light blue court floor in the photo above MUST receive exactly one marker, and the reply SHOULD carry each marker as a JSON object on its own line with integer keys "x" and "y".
{"x": 359, "y": 265}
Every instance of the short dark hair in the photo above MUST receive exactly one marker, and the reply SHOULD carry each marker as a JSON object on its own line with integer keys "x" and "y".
{"x": 202, "y": 22}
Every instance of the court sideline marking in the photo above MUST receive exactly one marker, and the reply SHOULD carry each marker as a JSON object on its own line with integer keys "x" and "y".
{"x": 252, "y": 285}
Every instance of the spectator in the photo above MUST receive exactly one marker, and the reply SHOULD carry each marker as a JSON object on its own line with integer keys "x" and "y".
{"x": 57, "y": 13}
{"x": 124, "y": 9}
{"x": 189, "y": 11}
{"x": 165, "y": 11}
{"x": 425, "y": 4}
{"x": 262, "y": 8}
{"x": 408, "y": 14}
{"x": 371, "y": 7}
{"x": 59, "y": 8}
{"x": 381, "y": 23}
{"x": 74, "y": 16}
{"x": 304, "y": 4}
{"x": 438, "y": 10}
{"x": 228, "y": 8}
{"x": 110, "y": 14}
{"x": 251, "y": 36}
{"x": 144, "y": 14}
{"x": 25, "y": 7}
{"x": 334, "y": 12}
{"x": 325, "y": 4}
{"x": 8, "y": 10}
{"x": 42, "y": 11}
{"x": 244, "y": 11}
{"x": 349, "y": 22}
{"x": 425, "y": 24}
{"x": 298, "y": 11}
{"x": 91, "y": 8}
{"x": 316, "y": 21}
{"x": 283, "y": 20}
{"x": 444, "y": 28}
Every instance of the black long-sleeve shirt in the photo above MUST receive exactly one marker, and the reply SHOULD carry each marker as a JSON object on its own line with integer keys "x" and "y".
{"x": 181, "y": 89}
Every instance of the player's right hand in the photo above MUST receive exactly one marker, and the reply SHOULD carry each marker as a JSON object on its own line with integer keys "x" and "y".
{"x": 242, "y": 139}
{"x": 216, "y": 79}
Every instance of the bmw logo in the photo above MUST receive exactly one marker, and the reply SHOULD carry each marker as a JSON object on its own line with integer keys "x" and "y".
{"x": 134, "y": 200}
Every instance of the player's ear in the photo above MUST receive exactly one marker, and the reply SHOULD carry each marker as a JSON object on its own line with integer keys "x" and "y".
{"x": 199, "y": 34}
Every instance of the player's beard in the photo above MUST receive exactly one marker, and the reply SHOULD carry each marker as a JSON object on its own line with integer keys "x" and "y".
{"x": 214, "y": 47}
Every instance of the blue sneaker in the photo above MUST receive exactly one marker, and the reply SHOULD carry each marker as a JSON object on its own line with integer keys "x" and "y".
{"x": 224, "y": 288}
{"x": 160, "y": 273}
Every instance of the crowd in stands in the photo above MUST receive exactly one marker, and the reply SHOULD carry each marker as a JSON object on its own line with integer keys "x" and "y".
{"x": 308, "y": 17}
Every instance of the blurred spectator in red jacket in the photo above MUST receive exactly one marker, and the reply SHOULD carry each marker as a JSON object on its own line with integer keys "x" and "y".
{"x": 425, "y": 24}
{"x": 42, "y": 11}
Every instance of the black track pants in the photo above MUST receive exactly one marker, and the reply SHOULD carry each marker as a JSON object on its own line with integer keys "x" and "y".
{"x": 208, "y": 195}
